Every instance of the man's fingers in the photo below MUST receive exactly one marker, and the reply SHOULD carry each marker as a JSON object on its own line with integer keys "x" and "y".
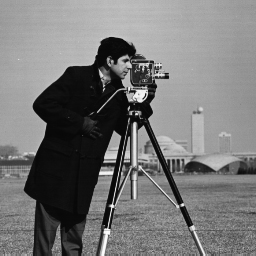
{"x": 95, "y": 133}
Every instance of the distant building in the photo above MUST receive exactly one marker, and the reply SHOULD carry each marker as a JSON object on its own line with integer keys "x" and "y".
{"x": 224, "y": 142}
{"x": 197, "y": 132}
{"x": 110, "y": 157}
{"x": 183, "y": 143}
{"x": 216, "y": 163}
{"x": 175, "y": 155}
{"x": 18, "y": 166}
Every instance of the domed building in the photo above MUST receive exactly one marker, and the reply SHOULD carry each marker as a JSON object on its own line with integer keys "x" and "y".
{"x": 166, "y": 144}
{"x": 176, "y": 156}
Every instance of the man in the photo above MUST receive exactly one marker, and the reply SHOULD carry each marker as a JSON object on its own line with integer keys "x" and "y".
{"x": 66, "y": 167}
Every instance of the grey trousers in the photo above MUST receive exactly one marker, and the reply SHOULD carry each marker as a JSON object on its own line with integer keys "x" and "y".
{"x": 47, "y": 220}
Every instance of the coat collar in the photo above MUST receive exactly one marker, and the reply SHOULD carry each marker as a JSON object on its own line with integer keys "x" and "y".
{"x": 114, "y": 85}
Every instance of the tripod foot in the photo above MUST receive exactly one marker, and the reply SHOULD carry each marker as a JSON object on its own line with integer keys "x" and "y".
{"x": 105, "y": 233}
{"x": 200, "y": 248}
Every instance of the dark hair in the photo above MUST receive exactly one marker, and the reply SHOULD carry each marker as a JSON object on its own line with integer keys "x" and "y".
{"x": 114, "y": 47}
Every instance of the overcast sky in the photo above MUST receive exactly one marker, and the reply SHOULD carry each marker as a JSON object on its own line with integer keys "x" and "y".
{"x": 208, "y": 47}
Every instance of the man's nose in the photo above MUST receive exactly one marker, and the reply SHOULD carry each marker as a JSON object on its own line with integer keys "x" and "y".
{"x": 129, "y": 65}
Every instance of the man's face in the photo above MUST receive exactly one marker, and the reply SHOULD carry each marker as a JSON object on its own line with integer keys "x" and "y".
{"x": 121, "y": 68}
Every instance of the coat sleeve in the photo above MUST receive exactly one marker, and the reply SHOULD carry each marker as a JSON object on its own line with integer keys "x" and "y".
{"x": 123, "y": 118}
{"x": 50, "y": 105}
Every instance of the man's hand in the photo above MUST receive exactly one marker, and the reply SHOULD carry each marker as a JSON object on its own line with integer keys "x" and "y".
{"x": 151, "y": 92}
{"x": 90, "y": 128}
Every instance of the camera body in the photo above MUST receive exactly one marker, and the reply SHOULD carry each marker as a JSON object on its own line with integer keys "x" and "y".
{"x": 144, "y": 72}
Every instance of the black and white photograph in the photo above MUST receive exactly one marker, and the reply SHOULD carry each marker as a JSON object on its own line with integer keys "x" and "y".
{"x": 127, "y": 127}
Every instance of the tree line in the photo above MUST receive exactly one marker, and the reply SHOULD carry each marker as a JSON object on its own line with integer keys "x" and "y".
{"x": 8, "y": 150}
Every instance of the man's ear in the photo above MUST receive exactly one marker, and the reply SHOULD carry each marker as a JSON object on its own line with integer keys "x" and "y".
{"x": 109, "y": 61}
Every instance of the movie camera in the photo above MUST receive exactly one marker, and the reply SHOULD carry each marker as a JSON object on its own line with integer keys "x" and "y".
{"x": 144, "y": 72}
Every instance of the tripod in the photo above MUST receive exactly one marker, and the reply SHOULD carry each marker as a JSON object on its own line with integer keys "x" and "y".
{"x": 135, "y": 117}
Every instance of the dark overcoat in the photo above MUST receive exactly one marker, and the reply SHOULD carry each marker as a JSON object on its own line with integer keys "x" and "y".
{"x": 67, "y": 164}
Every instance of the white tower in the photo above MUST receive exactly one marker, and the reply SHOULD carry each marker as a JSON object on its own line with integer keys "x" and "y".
{"x": 197, "y": 131}
{"x": 224, "y": 142}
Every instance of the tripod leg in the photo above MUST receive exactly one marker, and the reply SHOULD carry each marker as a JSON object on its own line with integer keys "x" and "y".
{"x": 123, "y": 184}
{"x": 145, "y": 173}
{"x": 113, "y": 194}
{"x": 173, "y": 186}
{"x": 134, "y": 159}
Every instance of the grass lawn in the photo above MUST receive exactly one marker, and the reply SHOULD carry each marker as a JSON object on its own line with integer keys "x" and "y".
{"x": 222, "y": 208}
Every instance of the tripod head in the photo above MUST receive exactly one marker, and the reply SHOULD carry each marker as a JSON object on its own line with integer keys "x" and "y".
{"x": 140, "y": 95}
